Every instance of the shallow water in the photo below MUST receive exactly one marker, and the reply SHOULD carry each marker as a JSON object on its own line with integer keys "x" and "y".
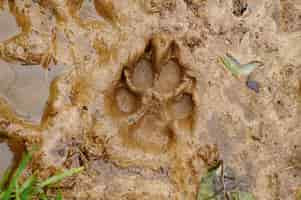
{"x": 7, "y": 76}
{"x": 8, "y": 21}
{"x": 10, "y": 152}
{"x": 26, "y": 88}
{"x": 6, "y": 157}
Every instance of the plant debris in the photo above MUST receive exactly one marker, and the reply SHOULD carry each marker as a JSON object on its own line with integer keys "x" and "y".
{"x": 218, "y": 184}
{"x": 236, "y": 68}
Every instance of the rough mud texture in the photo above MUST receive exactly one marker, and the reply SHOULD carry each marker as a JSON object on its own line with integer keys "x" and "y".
{"x": 143, "y": 96}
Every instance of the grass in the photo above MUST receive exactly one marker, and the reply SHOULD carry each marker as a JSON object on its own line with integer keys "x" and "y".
{"x": 32, "y": 187}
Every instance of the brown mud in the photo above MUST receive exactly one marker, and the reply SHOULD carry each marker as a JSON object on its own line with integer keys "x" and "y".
{"x": 133, "y": 91}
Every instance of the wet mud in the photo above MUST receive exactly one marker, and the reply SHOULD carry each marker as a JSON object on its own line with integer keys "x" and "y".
{"x": 133, "y": 91}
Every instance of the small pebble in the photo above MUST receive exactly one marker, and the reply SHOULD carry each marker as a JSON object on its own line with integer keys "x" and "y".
{"x": 253, "y": 85}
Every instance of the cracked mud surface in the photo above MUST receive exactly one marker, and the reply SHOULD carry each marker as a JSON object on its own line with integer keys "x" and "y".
{"x": 141, "y": 97}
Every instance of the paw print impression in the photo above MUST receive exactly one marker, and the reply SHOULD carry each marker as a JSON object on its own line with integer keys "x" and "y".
{"x": 153, "y": 107}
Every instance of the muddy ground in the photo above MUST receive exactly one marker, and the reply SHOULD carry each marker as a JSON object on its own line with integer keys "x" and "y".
{"x": 133, "y": 91}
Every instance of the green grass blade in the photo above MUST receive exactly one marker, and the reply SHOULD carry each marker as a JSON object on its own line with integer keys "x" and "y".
{"x": 26, "y": 194}
{"x": 59, "y": 196}
{"x": 26, "y": 190}
{"x": 26, "y": 158}
{"x": 4, "y": 179}
{"x": 57, "y": 178}
{"x": 28, "y": 183}
{"x": 17, "y": 192}
{"x": 43, "y": 196}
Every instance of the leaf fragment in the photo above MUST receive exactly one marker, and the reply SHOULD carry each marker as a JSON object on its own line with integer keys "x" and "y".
{"x": 236, "y": 67}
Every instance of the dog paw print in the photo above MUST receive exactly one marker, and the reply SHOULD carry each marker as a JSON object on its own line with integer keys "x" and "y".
{"x": 153, "y": 105}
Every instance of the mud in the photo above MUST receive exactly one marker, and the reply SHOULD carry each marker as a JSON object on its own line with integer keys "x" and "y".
{"x": 133, "y": 91}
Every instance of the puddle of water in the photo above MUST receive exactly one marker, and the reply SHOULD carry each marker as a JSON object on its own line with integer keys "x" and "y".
{"x": 6, "y": 158}
{"x": 8, "y": 21}
{"x": 10, "y": 154}
{"x": 26, "y": 88}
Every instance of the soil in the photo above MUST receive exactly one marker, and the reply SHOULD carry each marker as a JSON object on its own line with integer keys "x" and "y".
{"x": 133, "y": 91}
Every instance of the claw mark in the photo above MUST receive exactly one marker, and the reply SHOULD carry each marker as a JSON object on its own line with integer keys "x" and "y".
{"x": 236, "y": 68}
